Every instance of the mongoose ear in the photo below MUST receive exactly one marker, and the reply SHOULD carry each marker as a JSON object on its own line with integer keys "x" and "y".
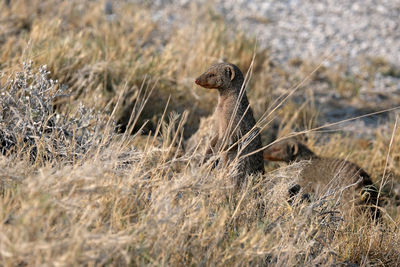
{"x": 294, "y": 149}
{"x": 230, "y": 71}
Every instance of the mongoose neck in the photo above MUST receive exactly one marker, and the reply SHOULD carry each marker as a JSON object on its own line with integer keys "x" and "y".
{"x": 304, "y": 154}
{"x": 233, "y": 90}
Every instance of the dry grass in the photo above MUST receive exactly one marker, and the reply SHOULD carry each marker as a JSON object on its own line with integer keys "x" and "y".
{"x": 94, "y": 197}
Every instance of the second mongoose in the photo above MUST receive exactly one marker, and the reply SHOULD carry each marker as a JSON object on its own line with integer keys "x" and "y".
{"x": 236, "y": 134}
{"x": 324, "y": 173}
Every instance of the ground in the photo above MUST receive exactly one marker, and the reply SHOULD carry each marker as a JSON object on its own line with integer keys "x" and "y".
{"x": 99, "y": 103}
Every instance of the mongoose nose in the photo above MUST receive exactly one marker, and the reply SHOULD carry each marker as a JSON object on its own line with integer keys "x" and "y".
{"x": 196, "y": 81}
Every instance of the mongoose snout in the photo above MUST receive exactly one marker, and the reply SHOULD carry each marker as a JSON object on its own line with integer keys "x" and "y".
{"x": 205, "y": 82}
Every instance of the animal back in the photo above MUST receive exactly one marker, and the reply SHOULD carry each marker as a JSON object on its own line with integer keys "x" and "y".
{"x": 329, "y": 173}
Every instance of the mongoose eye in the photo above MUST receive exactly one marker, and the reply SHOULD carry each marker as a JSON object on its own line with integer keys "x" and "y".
{"x": 211, "y": 75}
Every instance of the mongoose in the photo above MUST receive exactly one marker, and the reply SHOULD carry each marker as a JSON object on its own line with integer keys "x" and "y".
{"x": 240, "y": 136}
{"x": 325, "y": 173}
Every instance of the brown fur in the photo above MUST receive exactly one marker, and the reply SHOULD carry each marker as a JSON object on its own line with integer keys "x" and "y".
{"x": 324, "y": 173}
{"x": 288, "y": 151}
{"x": 228, "y": 80}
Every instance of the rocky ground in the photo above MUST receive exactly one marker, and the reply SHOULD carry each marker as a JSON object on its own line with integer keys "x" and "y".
{"x": 361, "y": 39}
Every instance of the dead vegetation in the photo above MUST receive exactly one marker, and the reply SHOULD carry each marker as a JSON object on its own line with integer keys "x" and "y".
{"x": 90, "y": 196}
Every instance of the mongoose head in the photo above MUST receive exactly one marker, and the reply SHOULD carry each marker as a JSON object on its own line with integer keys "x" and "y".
{"x": 288, "y": 151}
{"x": 221, "y": 76}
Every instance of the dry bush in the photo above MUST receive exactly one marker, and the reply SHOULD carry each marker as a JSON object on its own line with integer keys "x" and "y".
{"x": 29, "y": 122}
